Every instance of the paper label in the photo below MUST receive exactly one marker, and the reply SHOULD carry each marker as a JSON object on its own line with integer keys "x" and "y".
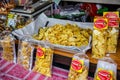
{"x": 77, "y": 65}
{"x": 100, "y": 23}
{"x": 104, "y": 74}
{"x": 113, "y": 18}
{"x": 41, "y": 52}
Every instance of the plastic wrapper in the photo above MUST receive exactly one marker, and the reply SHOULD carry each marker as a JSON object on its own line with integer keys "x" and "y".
{"x": 79, "y": 67}
{"x": 106, "y": 69}
{"x": 99, "y": 44}
{"x": 7, "y": 42}
{"x": 43, "y": 62}
{"x": 113, "y": 31}
{"x": 25, "y": 53}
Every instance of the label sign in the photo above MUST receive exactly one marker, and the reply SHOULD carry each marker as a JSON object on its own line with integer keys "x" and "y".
{"x": 100, "y": 23}
{"x": 77, "y": 65}
{"x": 104, "y": 75}
{"x": 40, "y": 52}
{"x": 113, "y": 18}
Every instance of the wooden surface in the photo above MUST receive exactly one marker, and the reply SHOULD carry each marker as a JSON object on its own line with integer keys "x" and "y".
{"x": 114, "y": 56}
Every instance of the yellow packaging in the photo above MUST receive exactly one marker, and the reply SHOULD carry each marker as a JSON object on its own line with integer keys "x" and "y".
{"x": 113, "y": 31}
{"x": 99, "y": 45}
{"x": 79, "y": 67}
{"x": 43, "y": 62}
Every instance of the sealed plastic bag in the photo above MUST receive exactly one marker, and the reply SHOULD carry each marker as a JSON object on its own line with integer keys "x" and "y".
{"x": 7, "y": 42}
{"x": 106, "y": 69}
{"x": 79, "y": 67}
{"x": 25, "y": 53}
{"x": 113, "y": 31}
{"x": 99, "y": 44}
{"x": 43, "y": 62}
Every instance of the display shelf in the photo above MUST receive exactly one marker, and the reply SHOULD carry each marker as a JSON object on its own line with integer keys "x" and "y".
{"x": 116, "y": 2}
{"x": 114, "y": 56}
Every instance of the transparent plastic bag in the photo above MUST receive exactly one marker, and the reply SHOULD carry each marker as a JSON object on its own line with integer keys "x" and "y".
{"x": 113, "y": 31}
{"x": 79, "y": 67}
{"x": 44, "y": 58}
{"x": 106, "y": 69}
{"x": 25, "y": 53}
{"x": 99, "y": 40}
{"x": 7, "y": 42}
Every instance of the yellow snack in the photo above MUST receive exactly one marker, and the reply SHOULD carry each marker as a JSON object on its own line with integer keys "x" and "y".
{"x": 8, "y": 46}
{"x": 67, "y": 35}
{"x": 24, "y": 54}
{"x": 44, "y": 65}
{"x": 79, "y": 67}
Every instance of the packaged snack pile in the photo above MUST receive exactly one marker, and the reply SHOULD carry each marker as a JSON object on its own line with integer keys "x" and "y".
{"x": 99, "y": 44}
{"x": 67, "y": 35}
{"x": 7, "y": 43}
{"x": 113, "y": 31}
{"x": 25, "y": 53}
{"x": 79, "y": 67}
{"x": 106, "y": 69}
{"x": 43, "y": 62}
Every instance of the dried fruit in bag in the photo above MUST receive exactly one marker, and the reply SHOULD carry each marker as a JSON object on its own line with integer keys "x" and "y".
{"x": 99, "y": 44}
{"x": 43, "y": 63}
{"x": 25, "y": 54}
{"x": 7, "y": 43}
{"x": 79, "y": 67}
{"x": 113, "y": 31}
{"x": 106, "y": 69}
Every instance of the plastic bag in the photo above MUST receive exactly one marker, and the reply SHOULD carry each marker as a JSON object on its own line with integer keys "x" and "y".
{"x": 7, "y": 43}
{"x": 79, "y": 67}
{"x": 43, "y": 62}
{"x": 113, "y": 31}
{"x": 99, "y": 44}
{"x": 25, "y": 53}
{"x": 106, "y": 69}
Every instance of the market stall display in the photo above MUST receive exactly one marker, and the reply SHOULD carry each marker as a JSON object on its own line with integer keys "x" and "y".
{"x": 99, "y": 39}
{"x": 113, "y": 31}
{"x": 79, "y": 67}
{"x": 44, "y": 58}
{"x": 106, "y": 69}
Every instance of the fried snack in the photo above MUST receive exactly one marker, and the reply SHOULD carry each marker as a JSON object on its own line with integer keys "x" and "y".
{"x": 44, "y": 65}
{"x": 8, "y": 46}
{"x": 67, "y": 35}
{"x": 79, "y": 67}
{"x": 106, "y": 69}
{"x": 112, "y": 39}
{"x": 24, "y": 54}
{"x": 99, "y": 45}
{"x": 73, "y": 75}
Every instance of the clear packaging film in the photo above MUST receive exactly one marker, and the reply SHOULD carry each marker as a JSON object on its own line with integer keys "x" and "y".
{"x": 113, "y": 31}
{"x": 7, "y": 42}
{"x": 25, "y": 53}
{"x": 44, "y": 58}
{"x": 99, "y": 39}
{"x": 106, "y": 69}
{"x": 79, "y": 67}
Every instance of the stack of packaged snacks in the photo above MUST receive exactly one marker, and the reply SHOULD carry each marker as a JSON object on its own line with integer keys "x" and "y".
{"x": 99, "y": 44}
{"x": 43, "y": 62}
{"x": 106, "y": 69}
{"x": 79, "y": 67}
{"x": 113, "y": 31}
{"x": 25, "y": 53}
{"x": 7, "y": 42}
